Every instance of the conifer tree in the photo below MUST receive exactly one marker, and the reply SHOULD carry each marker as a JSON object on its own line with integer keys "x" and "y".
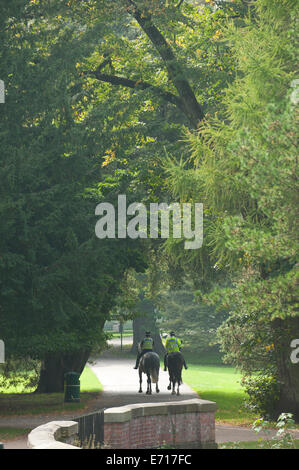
{"x": 246, "y": 171}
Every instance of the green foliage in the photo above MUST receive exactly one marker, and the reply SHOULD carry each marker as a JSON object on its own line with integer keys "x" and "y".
{"x": 245, "y": 171}
{"x": 19, "y": 374}
{"x": 71, "y": 137}
{"x": 283, "y": 438}
{"x": 263, "y": 394}
{"x": 193, "y": 322}
{"x": 58, "y": 281}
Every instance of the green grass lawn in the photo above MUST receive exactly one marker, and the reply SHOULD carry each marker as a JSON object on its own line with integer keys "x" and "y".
{"x": 222, "y": 385}
{"x": 14, "y": 403}
{"x": 89, "y": 381}
{"x": 125, "y": 334}
{"x": 7, "y": 434}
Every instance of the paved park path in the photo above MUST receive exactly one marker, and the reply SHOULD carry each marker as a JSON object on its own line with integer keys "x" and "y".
{"x": 121, "y": 383}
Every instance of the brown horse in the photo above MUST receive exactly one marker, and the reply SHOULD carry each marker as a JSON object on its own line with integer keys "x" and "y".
{"x": 149, "y": 365}
{"x": 175, "y": 362}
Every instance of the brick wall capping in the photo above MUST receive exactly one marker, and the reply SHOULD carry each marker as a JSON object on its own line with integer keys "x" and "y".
{"x": 50, "y": 435}
{"x": 126, "y": 413}
{"x": 182, "y": 424}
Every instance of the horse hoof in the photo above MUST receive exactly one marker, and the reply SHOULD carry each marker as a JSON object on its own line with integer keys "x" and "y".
{"x": 139, "y": 391}
{"x": 169, "y": 387}
{"x": 158, "y": 391}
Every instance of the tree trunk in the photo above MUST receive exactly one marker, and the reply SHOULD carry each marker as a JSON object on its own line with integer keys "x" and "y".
{"x": 144, "y": 323}
{"x": 55, "y": 366}
{"x": 288, "y": 372}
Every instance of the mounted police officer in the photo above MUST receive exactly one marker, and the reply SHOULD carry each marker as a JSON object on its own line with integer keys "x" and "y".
{"x": 173, "y": 344}
{"x": 146, "y": 345}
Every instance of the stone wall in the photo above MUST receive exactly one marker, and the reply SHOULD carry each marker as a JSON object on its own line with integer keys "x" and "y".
{"x": 182, "y": 424}
{"x": 53, "y": 435}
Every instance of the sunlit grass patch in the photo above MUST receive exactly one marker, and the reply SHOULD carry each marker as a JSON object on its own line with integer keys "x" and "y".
{"x": 222, "y": 385}
{"x": 9, "y": 433}
{"x": 37, "y": 403}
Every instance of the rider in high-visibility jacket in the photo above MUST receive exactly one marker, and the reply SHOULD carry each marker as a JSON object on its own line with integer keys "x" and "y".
{"x": 146, "y": 345}
{"x": 173, "y": 344}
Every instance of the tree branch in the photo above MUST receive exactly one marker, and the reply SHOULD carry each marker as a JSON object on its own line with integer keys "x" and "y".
{"x": 192, "y": 108}
{"x": 104, "y": 63}
{"x": 136, "y": 85}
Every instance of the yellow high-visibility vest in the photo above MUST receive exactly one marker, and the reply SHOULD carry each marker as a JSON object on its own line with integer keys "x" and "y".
{"x": 172, "y": 344}
{"x": 147, "y": 343}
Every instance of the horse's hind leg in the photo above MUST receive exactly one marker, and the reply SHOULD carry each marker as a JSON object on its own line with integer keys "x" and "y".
{"x": 149, "y": 386}
{"x": 157, "y": 388}
{"x": 179, "y": 383}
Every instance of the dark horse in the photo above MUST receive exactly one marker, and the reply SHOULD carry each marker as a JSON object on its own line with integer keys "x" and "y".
{"x": 175, "y": 363}
{"x": 149, "y": 365}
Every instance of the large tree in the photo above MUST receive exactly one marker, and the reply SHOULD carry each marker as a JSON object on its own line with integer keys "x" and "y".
{"x": 246, "y": 171}
{"x": 157, "y": 67}
{"x": 96, "y": 91}
{"x": 58, "y": 282}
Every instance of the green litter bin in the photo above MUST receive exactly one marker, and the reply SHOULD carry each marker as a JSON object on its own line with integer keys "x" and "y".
{"x": 72, "y": 387}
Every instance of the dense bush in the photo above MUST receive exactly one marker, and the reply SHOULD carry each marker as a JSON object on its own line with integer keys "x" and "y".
{"x": 263, "y": 394}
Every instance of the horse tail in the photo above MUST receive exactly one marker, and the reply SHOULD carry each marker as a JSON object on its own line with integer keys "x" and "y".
{"x": 154, "y": 376}
{"x": 151, "y": 367}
